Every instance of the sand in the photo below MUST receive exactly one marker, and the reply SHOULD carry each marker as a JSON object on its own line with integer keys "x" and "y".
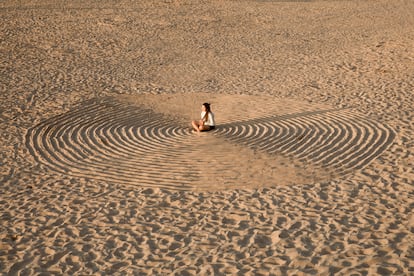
{"x": 310, "y": 169}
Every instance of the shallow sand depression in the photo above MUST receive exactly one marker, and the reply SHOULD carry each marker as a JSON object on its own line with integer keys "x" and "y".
{"x": 146, "y": 141}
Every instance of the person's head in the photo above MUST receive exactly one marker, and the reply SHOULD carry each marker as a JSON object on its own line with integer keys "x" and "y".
{"x": 206, "y": 107}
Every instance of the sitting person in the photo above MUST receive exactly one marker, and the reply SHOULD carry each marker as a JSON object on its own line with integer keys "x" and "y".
{"x": 207, "y": 119}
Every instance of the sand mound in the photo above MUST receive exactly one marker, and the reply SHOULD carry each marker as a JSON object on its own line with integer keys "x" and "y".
{"x": 146, "y": 141}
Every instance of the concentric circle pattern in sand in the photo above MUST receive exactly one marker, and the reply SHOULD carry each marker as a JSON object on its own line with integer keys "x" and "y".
{"x": 340, "y": 141}
{"x": 113, "y": 141}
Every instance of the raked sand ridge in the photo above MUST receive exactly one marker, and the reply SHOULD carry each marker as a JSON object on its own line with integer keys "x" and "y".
{"x": 309, "y": 172}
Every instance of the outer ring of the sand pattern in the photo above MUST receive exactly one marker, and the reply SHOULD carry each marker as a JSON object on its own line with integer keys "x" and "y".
{"x": 109, "y": 141}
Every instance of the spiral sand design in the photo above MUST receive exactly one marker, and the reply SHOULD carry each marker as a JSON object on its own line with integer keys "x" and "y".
{"x": 113, "y": 141}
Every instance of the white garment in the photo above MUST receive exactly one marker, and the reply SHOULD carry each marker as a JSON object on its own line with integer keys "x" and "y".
{"x": 210, "y": 120}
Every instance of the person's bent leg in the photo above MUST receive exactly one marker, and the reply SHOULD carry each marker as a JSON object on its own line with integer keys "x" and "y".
{"x": 204, "y": 128}
{"x": 195, "y": 125}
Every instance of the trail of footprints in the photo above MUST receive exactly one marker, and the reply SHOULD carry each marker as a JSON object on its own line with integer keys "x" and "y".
{"x": 114, "y": 141}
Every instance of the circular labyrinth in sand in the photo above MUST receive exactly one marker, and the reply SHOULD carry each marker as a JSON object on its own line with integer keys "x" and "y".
{"x": 117, "y": 142}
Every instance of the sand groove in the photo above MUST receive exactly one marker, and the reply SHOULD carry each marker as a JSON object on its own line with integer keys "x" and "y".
{"x": 114, "y": 141}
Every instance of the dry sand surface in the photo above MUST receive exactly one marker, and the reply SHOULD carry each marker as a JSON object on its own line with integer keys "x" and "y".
{"x": 309, "y": 171}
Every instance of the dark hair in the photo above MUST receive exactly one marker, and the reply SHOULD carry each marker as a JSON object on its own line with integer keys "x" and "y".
{"x": 208, "y": 110}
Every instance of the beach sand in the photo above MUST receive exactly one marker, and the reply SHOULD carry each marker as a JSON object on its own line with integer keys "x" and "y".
{"x": 309, "y": 171}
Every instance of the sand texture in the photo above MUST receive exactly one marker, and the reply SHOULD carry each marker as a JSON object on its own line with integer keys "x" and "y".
{"x": 310, "y": 170}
